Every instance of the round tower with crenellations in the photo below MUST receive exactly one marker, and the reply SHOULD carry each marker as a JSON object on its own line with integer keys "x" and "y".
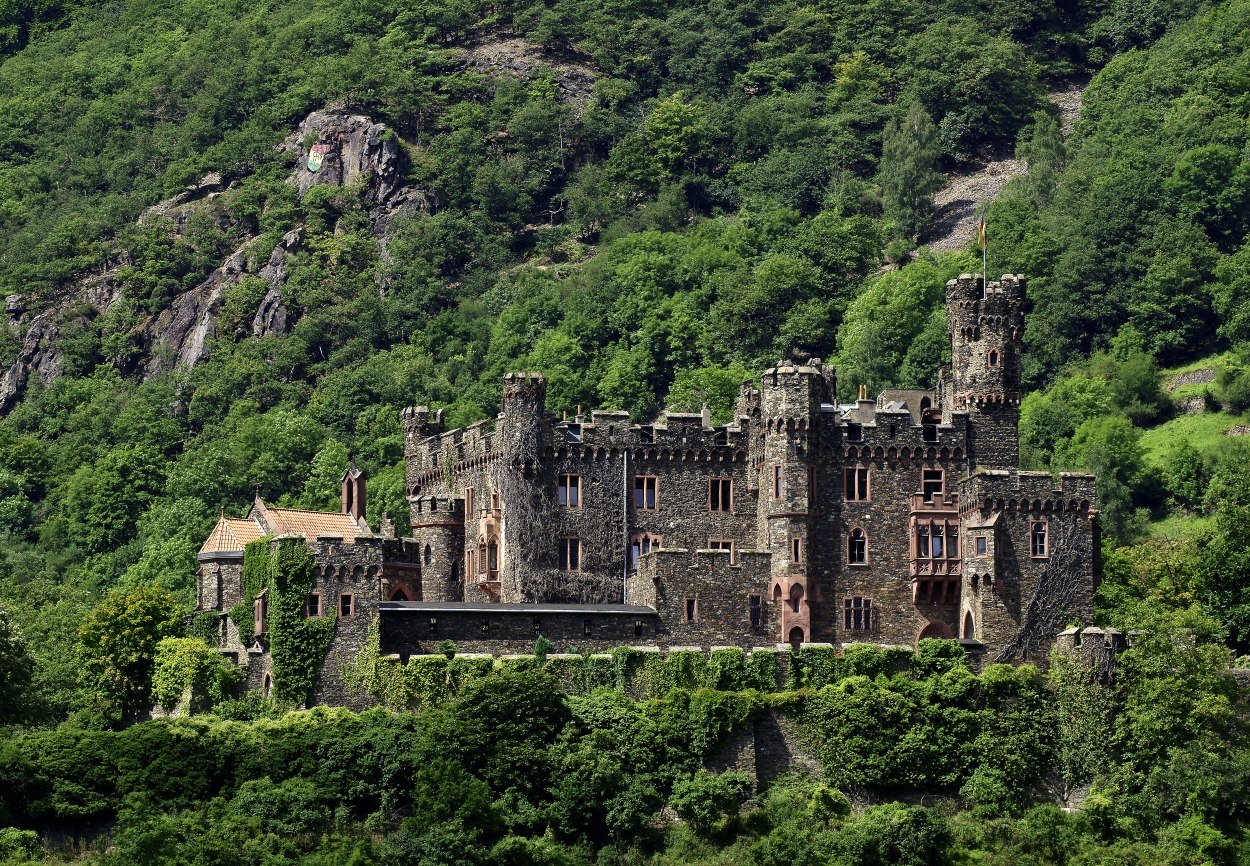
{"x": 986, "y": 326}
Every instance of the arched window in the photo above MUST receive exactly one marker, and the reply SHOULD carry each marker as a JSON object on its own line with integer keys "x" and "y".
{"x": 399, "y": 594}
{"x": 857, "y": 547}
{"x": 266, "y": 686}
{"x": 777, "y": 592}
{"x": 429, "y": 555}
{"x": 970, "y": 631}
{"x": 796, "y": 597}
{"x": 993, "y": 357}
{"x": 492, "y": 556}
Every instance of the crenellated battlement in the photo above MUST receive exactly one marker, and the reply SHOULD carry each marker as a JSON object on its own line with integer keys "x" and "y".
{"x": 1014, "y": 490}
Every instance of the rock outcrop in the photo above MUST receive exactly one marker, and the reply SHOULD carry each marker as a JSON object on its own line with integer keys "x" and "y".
{"x": 332, "y": 146}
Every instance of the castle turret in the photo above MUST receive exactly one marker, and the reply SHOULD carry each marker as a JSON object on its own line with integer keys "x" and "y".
{"x": 790, "y": 401}
{"x": 438, "y": 527}
{"x": 354, "y": 493}
{"x": 986, "y": 325}
{"x": 522, "y": 435}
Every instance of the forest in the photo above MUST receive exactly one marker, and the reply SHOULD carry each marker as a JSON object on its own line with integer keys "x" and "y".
{"x": 740, "y": 180}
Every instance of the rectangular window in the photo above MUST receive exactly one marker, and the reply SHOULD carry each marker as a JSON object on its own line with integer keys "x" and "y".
{"x": 796, "y": 551}
{"x": 857, "y": 614}
{"x": 347, "y": 605}
{"x": 1038, "y": 540}
{"x": 854, "y": 433}
{"x": 573, "y": 433}
{"x": 433, "y": 625}
{"x": 469, "y": 513}
{"x": 720, "y": 494}
{"x": 481, "y": 559}
{"x": 922, "y": 541}
{"x": 931, "y": 483}
{"x": 492, "y": 556}
{"x": 637, "y": 628}
{"x": 982, "y": 546}
{"x": 857, "y": 484}
{"x": 756, "y": 607}
{"x": 936, "y": 549}
{"x": 777, "y": 481}
{"x": 646, "y": 493}
{"x": 260, "y": 620}
{"x": 570, "y": 554}
{"x": 312, "y": 606}
{"x": 722, "y": 544}
{"x": 952, "y": 540}
{"x": 569, "y": 491}
{"x": 692, "y": 610}
{"x": 494, "y": 502}
{"x": 646, "y": 435}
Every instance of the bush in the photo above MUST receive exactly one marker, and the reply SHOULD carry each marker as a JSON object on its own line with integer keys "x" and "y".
{"x": 705, "y": 800}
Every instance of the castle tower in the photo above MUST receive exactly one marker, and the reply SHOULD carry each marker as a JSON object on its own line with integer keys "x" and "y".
{"x": 790, "y": 400}
{"x": 986, "y": 325}
{"x": 522, "y": 437}
{"x": 438, "y": 527}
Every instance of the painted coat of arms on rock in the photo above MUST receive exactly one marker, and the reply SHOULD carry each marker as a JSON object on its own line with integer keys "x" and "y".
{"x": 316, "y": 155}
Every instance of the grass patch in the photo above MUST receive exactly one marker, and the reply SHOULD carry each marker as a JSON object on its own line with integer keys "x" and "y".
{"x": 1178, "y": 525}
{"x": 1204, "y": 431}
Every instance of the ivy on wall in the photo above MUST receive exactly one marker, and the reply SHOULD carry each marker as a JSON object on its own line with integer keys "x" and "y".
{"x": 283, "y": 570}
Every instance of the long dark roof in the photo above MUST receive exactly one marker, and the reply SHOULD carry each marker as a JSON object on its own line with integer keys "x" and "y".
{"x": 507, "y": 608}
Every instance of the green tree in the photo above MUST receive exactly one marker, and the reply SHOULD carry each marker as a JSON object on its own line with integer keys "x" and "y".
{"x": 117, "y": 645}
{"x": 907, "y": 175}
{"x": 17, "y": 669}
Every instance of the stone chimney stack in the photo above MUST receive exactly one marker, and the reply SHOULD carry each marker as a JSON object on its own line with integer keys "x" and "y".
{"x": 354, "y": 499}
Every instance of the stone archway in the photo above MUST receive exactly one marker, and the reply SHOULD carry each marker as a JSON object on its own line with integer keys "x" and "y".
{"x": 937, "y": 630}
{"x": 796, "y": 638}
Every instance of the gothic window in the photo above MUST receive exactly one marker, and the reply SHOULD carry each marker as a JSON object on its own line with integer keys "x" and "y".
{"x": 993, "y": 357}
{"x": 399, "y": 594}
{"x": 492, "y": 556}
{"x": 857, "y": 613}
{"x": 1038, "y": 540}
{"x": 692, "y": 610}
{"x": 720, "y": 494}
{"x": 641, "y": 544}
{"x": 756, "y": 607}
{"x": 857, "y": 484}
{"x": 796, "y": 597}
{"x": 266, "y": 686}
{"x": 777, "y": 481}
{"x": 646, "y": 493}
{"x": 429, "y": 555}
{"x": 932, "y": 482}
{"x": 970, "y": 631}
{"x": 570, "y": 554}
{"x": 312, "y": 605}
{"x": 857, "y": 547}
{"x": 347, "y": 605}
{"x": 569, "y": 491}
{"x": 723, "y": 544}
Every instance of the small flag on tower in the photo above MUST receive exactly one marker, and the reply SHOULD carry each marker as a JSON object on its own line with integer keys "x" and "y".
{"x": 981, "y": 235}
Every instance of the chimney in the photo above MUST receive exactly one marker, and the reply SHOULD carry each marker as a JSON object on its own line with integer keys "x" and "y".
{"x": 354, "y": 493}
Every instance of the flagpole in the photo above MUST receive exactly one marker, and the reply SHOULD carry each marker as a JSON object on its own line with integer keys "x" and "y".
{"x": 985, "y": 250}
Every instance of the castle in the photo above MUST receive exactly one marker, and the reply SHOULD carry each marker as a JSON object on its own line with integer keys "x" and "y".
{"x": 803, "y": 520}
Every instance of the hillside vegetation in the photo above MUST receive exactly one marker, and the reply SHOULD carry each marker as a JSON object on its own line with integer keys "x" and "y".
{"x": 722, "y": 184}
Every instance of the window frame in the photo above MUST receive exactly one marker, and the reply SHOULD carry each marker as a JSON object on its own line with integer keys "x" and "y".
{"x": 858, "y": 613}
{"x": 778, "y": 481}
{"x": 640, "y": 492}
{"x": 716, "y": 504}
{"x": 567, "y": 555}
{"x": 941, "y": 481}
{"x": 569, "y": 483}
{"x": 798, "y": 550}
{"x": 850, "y": 541}
{"x": 692, "y": 609}
{"x": 636, "y": 551}
{"x": 350, "y": 598}
{"x": 469, "y": 503}
{"x": 981, "y": 545}
{"x": 1045, "y": 525}
{"x": 315, "y": 594}
{"x": 725, "y": 544}
{"x": 851, "y": 490}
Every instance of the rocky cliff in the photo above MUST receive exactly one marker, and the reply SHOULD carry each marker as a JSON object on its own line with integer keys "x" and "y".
{"x": 332, "y": 146}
